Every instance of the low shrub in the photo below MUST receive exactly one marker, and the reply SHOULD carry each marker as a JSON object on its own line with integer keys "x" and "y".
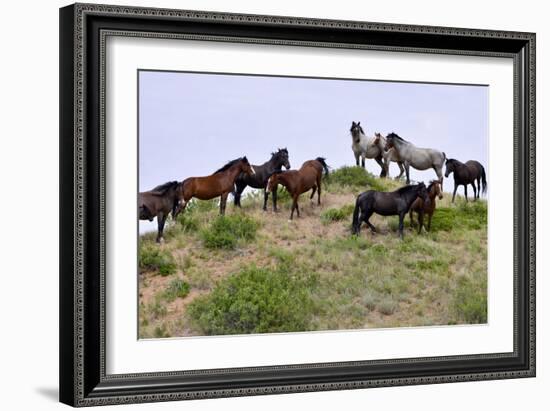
{"x": 256, "y": 300}
{"x": 153, "y": 258}
{"x": 470, "y": 299}
{"x": 176, "y": 289}
{"x": 337, "y": 214}
{"x": 228, "y": 231}
{"x": 355, "y": 177}
{"x": 465, "y": 216}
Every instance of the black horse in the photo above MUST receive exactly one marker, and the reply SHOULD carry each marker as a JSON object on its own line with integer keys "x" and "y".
{"x": 393, "y": 203}
{"x": 467, "y": 173}
{"x": 259, "y": 180}
{"x": 159, "y": 202}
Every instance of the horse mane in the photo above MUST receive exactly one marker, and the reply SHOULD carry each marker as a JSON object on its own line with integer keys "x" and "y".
{"x": 163, "y": 188}
{"x": 393, "y": 135}
{"x": 229, "y": 164}
{"x": 405, "y": 189}
{"x": 432, "y": 183}
{"x": 279, "y": 152}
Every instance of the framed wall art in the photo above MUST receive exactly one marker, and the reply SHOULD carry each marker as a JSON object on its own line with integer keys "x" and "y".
{"x": 262, "y": 204}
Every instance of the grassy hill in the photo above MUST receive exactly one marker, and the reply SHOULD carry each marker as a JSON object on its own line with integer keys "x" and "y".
{"x": 254, "y": 271}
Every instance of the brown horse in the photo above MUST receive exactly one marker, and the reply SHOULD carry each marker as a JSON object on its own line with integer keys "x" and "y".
{"x": 158, "y": 202}
{"x": 308, "y": 177}
{"x": 423, "y": 208}
{"x": 221, "y": 183}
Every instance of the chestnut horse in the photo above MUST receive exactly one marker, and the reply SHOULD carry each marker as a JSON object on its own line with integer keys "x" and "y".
{"x": 308, "y": 177}
{"x": 221, "y": 183}
{"x": 158, "y": 202}
{"x": 423, "y": 208}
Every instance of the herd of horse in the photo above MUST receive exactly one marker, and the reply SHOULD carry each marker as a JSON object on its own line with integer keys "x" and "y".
{"x": 172, "y": 197}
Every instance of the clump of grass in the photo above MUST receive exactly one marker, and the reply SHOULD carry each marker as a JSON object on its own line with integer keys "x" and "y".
{"x": 256, "y": 300}
{"x": 356, "y": 177}
{"x": 465, "y": 216}
{"x": 337, "y": 214}
{"x": 188, "y": 221}
{"x": 470, "y": 299}
{"x": 227, "y": 231}
{"x": 176, "y": 289}
{"x": 153, "y": 258}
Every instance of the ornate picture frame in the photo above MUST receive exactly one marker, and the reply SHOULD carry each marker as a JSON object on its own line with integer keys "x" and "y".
{"x": 84, "y": 29}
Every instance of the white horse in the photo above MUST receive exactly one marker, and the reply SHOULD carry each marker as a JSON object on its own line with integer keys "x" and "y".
{"x": 419, "y": 158}
{"x": 364, "y": 147}
{"x": 388, "y": 156}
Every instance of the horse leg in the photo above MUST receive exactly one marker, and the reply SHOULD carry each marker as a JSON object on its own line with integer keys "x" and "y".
{"x": 365, "y": 216}
{"x": 475, "y": 193}
{"x": 429, "y": 222}
{"x": 239, "y": 188}
{"x": 420, "y": 221}
{"x": 274, "y": 199}
{"x": 401, "y": 218}
{"x": 161, "y": 219}
{"x": 478, "y": 186}
{"x": 381, "y": 164}
{"x": 313, "y": 192}
{"x": 401, "y": 170}
{"x": 407, "y": 172}
{"x": 266, "y": 196}
{"x": 223, "y": 202}
{"x": 466, "y": 191}
{"x": 356, "y": 158}
{"x": 454, "y": 192}
{"x": 363, "y": 161}
{"x": 297, "y": 208}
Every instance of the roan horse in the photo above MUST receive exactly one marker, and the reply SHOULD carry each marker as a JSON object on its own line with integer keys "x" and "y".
{"x": 388, "y": 156}
{"x": 419, "y": 158}
{"x": 158, "y": 202}
{"x": 466, "y": 173}
{"x": 363, "y": 147}
{"x": 393, "y": 203}
{"x": 308, "y": 177}
{"x": 221, "y": 183}
{"x": 422, "y": 208}
{"x": 259, "y": 180}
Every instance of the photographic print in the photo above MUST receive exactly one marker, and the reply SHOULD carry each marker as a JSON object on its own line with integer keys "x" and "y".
{"x": 272, "y": 204}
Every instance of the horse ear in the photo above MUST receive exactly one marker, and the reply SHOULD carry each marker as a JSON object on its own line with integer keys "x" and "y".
{"x": 358, "y": 122}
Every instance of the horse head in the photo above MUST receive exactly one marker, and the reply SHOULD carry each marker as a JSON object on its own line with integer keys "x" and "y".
{"x": 435, "y": 189}
{"x": 377, "y": 137}
{"x": 281, "y": 158}
{"x": 246, "y": 167}
{"x": 449, "y": 166}
{"x": 422, "y": 192}
{"x": 356, "y": 130}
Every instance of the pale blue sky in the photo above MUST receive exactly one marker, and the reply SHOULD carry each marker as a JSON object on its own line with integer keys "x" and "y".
{"x": 191, "y": 124}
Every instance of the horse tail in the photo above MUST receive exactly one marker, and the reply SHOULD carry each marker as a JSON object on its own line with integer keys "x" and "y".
{"x": 483, "y": 179}
{"x": 356, "y": 222}
{"x": 323, "y": 163}
{"x": 444, "y": 156}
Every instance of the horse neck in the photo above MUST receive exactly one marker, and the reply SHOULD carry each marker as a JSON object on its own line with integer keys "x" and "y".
{"x": 283, "y": 180}
{"x": 410, "y": 196}
{"x": 273, "y": 164}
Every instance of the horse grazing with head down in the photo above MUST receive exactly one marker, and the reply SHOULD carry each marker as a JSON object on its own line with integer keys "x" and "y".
{"x": 158, "y": 202}
{"x": 308, "y": 177}
{"x": 423, "y": 208}
{"x": 467, "y": 173}
{"x": 221, "y": 183}
{"x": 278, "y": 160}
{"x": 364, "y": 147}
{"x": 417, "y": 157}
{"x": 386, "y": 203}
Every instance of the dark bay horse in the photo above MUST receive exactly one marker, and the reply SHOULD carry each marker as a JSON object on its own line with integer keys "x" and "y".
{"x": 158, "y": 202}
{"x": 221, "y": 183}
{"x": 259, "y": 180}
{"x": 308, "y": 177}
{"x": 393, "y": 203}
{"x": 423, "y": 208}
{"x": 466, "y": 173}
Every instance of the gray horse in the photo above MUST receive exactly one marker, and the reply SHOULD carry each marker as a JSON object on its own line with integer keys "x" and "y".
{"x": 388, "y": 156}
{"x": 363, "y": 147}
{"x": 419, "y": 158}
